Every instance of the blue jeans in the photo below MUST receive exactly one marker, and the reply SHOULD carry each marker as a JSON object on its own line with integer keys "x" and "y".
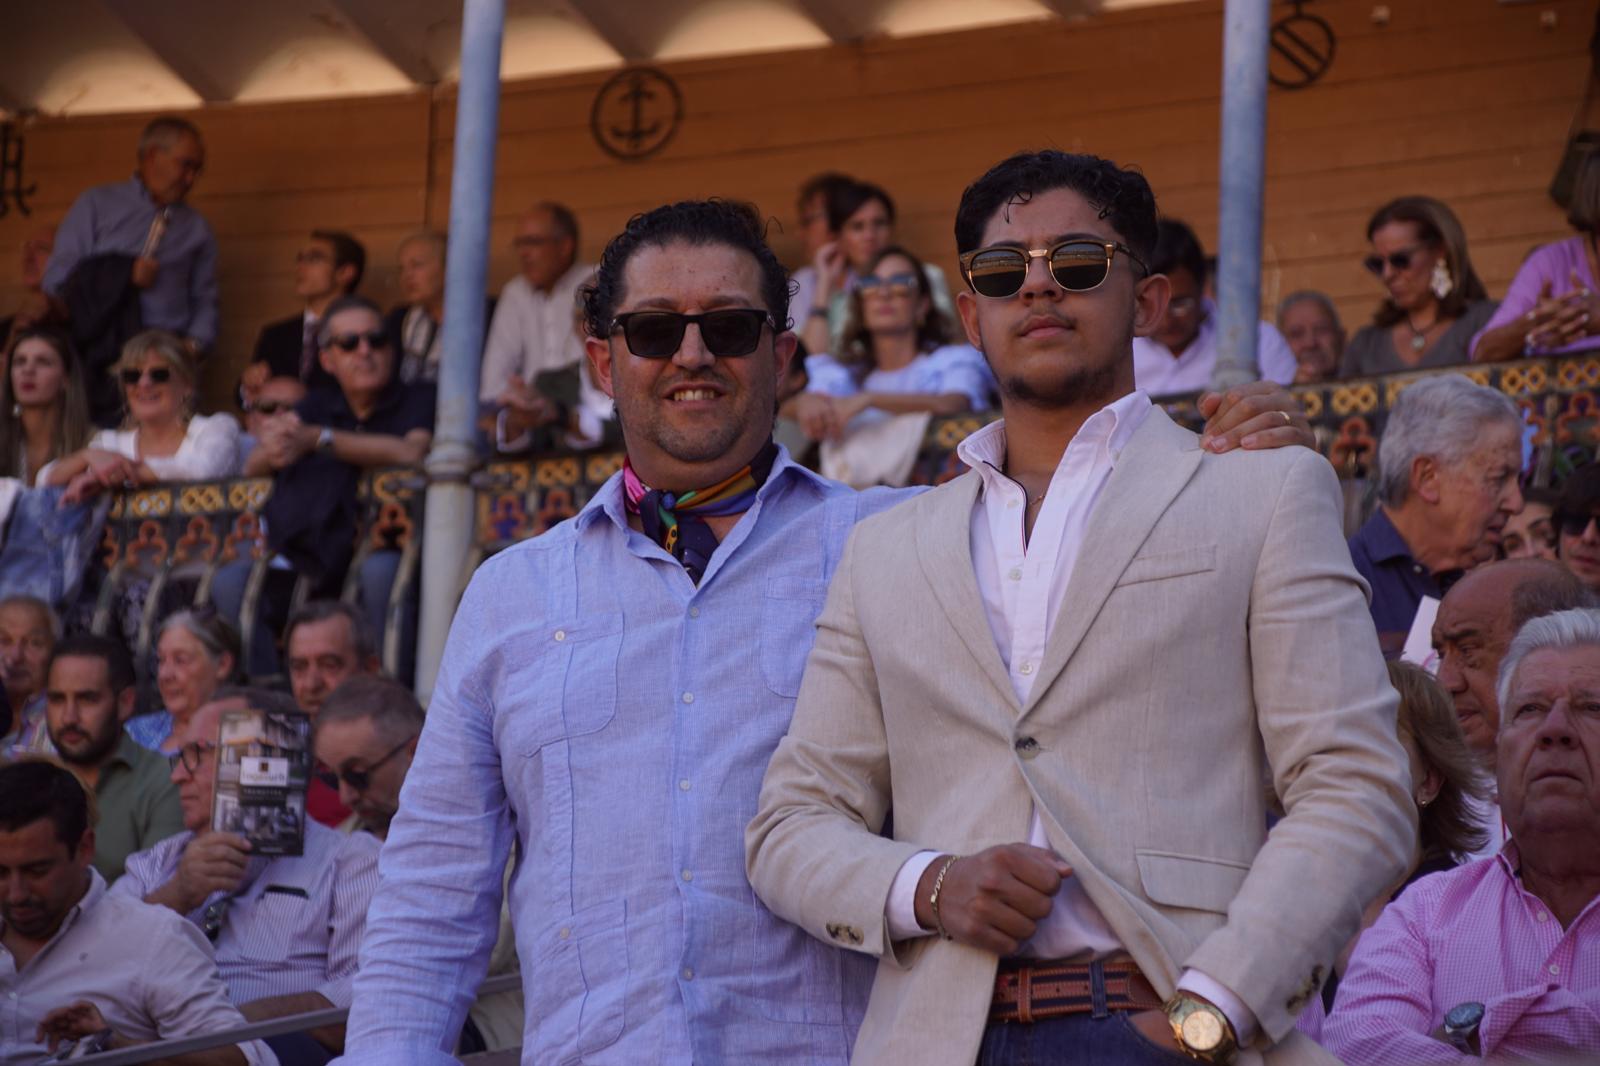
{"x": 1102, "y": 1037}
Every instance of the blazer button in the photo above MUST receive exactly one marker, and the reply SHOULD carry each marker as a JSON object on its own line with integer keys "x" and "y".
{"x": 1027, "y": 747}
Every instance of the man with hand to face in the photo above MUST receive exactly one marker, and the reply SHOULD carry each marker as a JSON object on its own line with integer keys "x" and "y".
{"x": 89, "y": 696}
{"x": 1067, "y": 671}
{"x": 650, "y": 648}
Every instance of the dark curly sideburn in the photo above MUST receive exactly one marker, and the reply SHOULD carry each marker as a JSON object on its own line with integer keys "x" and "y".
{"x": 1122, "y": 196}
{"x": 694, "y": 222}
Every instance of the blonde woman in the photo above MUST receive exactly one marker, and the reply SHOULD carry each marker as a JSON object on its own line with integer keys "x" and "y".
{"x": 162, "y": 439}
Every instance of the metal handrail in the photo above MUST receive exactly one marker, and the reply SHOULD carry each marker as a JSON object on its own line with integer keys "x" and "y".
{"x": 293, "y": 1023}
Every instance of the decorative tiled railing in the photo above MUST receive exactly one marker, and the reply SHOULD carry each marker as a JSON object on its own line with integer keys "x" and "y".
{"x": 182, "y": 533}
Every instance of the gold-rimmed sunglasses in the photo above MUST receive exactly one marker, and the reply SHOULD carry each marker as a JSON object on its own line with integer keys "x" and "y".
{"x": 1075, "y": 265}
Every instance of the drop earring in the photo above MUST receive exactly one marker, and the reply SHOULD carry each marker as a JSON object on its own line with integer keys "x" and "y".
{"x": 1441, "y": 282}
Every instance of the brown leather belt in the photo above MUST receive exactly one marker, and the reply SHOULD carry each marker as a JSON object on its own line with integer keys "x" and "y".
{"x": 1034, "y": 992}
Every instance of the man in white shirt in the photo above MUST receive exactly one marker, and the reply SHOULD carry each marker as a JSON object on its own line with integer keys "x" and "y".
{"x": 532, "y": 327}
{"x": 77, "y": 963}
{"x": 1179, "y": 355}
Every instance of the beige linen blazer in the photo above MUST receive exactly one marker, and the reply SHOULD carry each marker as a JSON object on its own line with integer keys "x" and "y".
{"x": 1214, "y": 642}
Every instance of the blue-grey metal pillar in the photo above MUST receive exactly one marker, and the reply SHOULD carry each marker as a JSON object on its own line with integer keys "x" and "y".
{"x": 447, "y": 529}
{"x": 1246, "y": 28}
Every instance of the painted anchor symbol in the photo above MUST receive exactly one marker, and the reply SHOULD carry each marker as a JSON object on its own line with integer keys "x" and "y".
{"x": 638, "y": 133}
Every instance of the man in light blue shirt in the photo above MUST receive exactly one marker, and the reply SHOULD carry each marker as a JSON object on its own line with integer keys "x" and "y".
{"x": 609, "y": 699}
{"x": 175, "y": 260}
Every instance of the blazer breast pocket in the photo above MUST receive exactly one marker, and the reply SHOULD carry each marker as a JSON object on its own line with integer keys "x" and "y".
{"x": 1159, "y": 566}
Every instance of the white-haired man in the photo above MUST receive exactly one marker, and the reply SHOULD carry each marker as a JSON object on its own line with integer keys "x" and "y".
{"x": 1447, "y": 484}
{"x": 1500, "y": 958}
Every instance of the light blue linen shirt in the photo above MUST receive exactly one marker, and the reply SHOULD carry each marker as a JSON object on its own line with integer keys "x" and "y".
{"x": 613, "y": 720}
{"x": 116, "y": 218}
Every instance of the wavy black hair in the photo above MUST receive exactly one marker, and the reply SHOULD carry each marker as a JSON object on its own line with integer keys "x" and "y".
{"x": 694, "y": 222}
{"x": 1121, "y": 195}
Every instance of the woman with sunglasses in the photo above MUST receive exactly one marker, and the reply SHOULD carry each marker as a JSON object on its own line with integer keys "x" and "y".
{"x": 894, "y": 358}
{"x": 863, "y": 216}
{"x": 1552, "y": 306}
{"x": 196, "y": 654}
{"x": 42, "y": 390}
{"x": 1435, "y": 302}
{"x": 162, "y": 439}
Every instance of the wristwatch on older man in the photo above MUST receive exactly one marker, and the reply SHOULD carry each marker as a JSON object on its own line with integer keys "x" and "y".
{"x": 1201, "y": 1029}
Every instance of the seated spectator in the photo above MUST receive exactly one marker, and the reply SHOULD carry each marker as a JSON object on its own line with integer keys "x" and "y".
{"x": 287, "y": 929}
{"x": 90, "y": 694}
{"x": 563, "y": 409}
{"x": 1577, "y": 522}
{"x": 532, "y": 327}
{"x": 326, "y": 642}
{"x": 367, "y": 733}
{"x": 316, "y": 454}
{"x": 1447, "y": 482}
{"x": 164, "y": 439}
{"x": 1551, "y": 307}
{"x": 1500, "y": 959}
{"x": 35, "y": 309}
{"x": 1310, "y": 326}
{"x": 896, "y": 359}
{"x": 1435, "y": 301}
{"x": 134, "y": 255}
{"x": 29, "y": 630}
{"x": 78, "y": 960}
{"x": 197, "y": 652}
{"x": 1180, "y": 354}
{"x": 43, "y": 391}
{"x": 417, "y": 325}
{"x": 863, "y": 216}
{"x": 1448, "y": 784}
{"x": 814, "y": 209}
{"x": 272, "y": 397}
{"x": 1531, "y": 533}
{"x": 327, "y": 268}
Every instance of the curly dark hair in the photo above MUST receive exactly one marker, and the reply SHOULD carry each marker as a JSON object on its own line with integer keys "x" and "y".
{"x": 1121, "y": 195}
{"x": 695, "y": 222}
{"x": 855, "y": 345}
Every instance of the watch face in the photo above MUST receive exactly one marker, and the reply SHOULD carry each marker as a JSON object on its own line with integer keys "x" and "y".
{"x": 1202, "y": 1031}
{"x": 1464, "y": 1016}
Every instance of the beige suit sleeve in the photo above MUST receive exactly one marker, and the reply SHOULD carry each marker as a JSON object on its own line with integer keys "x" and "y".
{"x": 813, "y": 851}
{"x": 1326, "y": 712}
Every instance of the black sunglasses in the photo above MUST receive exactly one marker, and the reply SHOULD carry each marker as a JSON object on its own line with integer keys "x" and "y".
{"x": 349, "y": 342}
{"x": 1400, "y": 260}
{"x": 1076, "y": 266}
{"x": 1573, "y": 525}
{"x": 360, "y": 780}
{"x": 659, "y": 334}
{"x": 270, "y": 407}
{"x": 158, "y": 375}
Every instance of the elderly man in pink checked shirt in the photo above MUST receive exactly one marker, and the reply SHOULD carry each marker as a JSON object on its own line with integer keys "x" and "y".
{"x": 1500, "y": 958}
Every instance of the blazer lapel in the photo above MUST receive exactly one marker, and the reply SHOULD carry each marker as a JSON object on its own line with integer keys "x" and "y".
{"x": 1154, "y": 467}
{"x": 944, "y": 547}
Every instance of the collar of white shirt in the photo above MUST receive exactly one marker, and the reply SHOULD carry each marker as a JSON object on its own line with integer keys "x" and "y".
{"x": 1110, "y": 427}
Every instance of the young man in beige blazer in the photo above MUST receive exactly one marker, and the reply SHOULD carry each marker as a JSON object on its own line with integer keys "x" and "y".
{"x": 1073, "y": 673}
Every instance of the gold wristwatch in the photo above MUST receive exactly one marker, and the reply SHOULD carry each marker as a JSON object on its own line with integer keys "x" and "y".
{"x": 1202, "y": 1030}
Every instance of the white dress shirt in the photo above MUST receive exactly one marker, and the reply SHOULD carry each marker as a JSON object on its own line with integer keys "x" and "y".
{"x": 532, "y": 331}
{"x": 146, "y": 970}
{"x": 1158, "y": 372}
{"x": 1023, "y": 583}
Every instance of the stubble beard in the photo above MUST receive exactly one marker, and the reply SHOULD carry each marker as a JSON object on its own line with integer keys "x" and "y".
{"x": 1076, "y": 386}
{"x": 702, "y": 444}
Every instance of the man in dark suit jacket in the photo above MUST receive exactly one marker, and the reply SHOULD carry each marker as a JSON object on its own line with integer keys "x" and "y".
{"x": 328, "y": 267}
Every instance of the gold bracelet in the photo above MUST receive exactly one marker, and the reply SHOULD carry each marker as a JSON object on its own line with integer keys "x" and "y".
{"x": 933, "y": 898}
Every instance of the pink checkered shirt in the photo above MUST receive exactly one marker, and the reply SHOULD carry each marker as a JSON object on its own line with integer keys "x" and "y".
{"x": 1471, "y": 934}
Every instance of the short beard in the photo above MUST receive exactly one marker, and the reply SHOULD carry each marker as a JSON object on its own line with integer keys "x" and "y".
{"x": 1078, "y": 388}
{"x": 94, "y": 754}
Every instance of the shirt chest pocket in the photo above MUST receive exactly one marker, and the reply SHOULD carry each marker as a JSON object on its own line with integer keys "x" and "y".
{"x": 564, "y": 681}
{"x": 788, "y": 627}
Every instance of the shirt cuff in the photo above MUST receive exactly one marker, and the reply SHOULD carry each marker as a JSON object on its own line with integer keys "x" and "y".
{"x": 1242, "y": 1017}
{"x": 502, "y": 443}
{"x": 902, "y": 909}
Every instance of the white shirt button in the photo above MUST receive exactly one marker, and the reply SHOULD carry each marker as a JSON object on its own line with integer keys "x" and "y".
{"x": 1541, "y": 917}
{"x": 1554, "y": 968}
{"x": 684, "y": 785}
{"x": 1025, "y": 669}
{"x": 565, "y": 933}
{"x": 1012, "y": 504}
{"x": 688, "y": 697}
{"x": 1015, "y": 573}
{"x": 687, "y": 875}
{"x": 688, "y": 974}
{"x": 694, "y": 612}
{"x": 561, "y": 634}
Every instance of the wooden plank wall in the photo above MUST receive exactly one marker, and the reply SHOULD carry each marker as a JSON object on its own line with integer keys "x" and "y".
{"x": 1468, "y": 100}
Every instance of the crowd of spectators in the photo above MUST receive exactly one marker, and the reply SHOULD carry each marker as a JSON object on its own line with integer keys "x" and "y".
{"x": 106, "y": 804}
